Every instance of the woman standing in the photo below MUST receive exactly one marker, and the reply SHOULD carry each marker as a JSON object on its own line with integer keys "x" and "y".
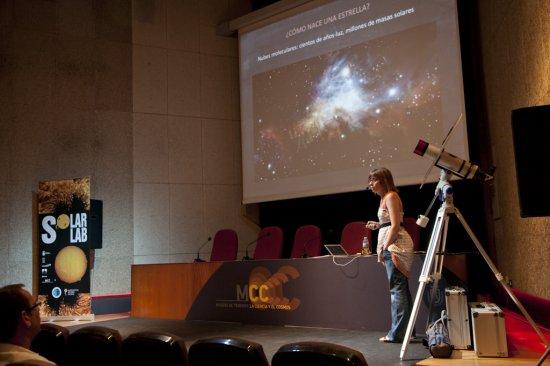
{"x": 394, "y": 249}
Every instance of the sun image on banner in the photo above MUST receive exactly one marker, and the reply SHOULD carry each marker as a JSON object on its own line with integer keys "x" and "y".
{"x": 64, "y": 250}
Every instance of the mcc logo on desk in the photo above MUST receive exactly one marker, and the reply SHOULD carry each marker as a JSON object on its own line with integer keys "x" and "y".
{"x": 264, "y": 291}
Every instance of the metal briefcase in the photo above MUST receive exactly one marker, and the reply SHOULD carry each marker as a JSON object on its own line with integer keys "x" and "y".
{"x": 489, "y": 330}
{"x": 458, "y": 319}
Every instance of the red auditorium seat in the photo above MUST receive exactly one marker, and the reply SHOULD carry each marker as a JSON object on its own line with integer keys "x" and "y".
{"x": 307, "y": 242}
{"x": 414, "y": 231}
{"x": 352, "y": 236}
{"x": 269, "y": 244}
{"x": 225, "y": 245}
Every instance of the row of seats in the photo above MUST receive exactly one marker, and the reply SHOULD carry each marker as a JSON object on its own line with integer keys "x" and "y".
{"x": 307, "y": 241}
{"x": 96, "y": 345}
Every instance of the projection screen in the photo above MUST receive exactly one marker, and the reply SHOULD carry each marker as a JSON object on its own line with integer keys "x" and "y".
{"x": 335, "y": 91}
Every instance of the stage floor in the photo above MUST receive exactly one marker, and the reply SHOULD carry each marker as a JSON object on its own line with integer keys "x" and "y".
{"x": 273, "y": 337}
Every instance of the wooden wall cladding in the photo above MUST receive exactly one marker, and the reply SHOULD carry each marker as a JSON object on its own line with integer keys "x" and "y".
{"x": 168, "y": 291}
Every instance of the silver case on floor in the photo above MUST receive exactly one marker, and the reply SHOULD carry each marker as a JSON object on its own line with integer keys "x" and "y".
{"x": 489, "y": 330}
{"x": 458, "y": 319}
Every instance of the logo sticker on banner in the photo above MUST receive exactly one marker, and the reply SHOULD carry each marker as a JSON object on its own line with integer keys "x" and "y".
{"x": 64, "y": 250}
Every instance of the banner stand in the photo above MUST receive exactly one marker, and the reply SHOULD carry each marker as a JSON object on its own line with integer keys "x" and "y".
{"x": 63, "y": 253}
{"x": 58, "y": 318}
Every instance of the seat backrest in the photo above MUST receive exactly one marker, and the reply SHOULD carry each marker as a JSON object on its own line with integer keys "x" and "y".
{"x": 414, "y": 231}
{"x": 226, "y": 351}
{"x": 93, "y": 345}
{"x": 317, "y": 353}
{"x": 352, "y": 236}
{"x": 307, "y": 242}
{"x": 51, "y": 342}
{"x": 269, "y": 244}
{"x": 152, "y": 348}
{"x": 225, "y": 245}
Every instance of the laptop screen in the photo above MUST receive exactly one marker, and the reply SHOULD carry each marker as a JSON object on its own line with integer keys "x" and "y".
{"x": 336, "y": 249}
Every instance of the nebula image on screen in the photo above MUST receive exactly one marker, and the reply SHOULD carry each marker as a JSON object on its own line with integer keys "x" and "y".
{"x": 316, "y": 114}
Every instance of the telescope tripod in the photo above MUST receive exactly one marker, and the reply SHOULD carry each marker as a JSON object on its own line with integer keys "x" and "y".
{"x": 433, "y": 263}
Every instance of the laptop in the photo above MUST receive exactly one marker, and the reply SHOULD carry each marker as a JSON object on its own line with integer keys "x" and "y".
{"x": 335, "y": 249}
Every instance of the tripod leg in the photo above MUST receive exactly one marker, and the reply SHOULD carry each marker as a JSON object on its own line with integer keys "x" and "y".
{"x": 499, "y": 276}
{"x": 433, "y": 247}
{"x": 543, "y": 357}
{"x": 438, "y": 266}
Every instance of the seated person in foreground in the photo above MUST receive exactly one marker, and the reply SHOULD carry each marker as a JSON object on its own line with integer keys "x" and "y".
{"x": 20, "y": 323}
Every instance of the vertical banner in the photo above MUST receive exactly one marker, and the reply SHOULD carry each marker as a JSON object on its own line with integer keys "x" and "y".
{"x": 64, "y": 250}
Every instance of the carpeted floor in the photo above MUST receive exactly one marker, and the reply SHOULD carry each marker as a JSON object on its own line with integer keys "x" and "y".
{"x": 273, "y": 337}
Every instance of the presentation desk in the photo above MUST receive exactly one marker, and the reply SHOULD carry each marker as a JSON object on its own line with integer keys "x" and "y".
{"x": 313, "y": 292}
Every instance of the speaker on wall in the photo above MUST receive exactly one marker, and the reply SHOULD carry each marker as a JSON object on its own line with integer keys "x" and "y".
{"x": 95, "y": 228}
{"x": 530, "y": 127}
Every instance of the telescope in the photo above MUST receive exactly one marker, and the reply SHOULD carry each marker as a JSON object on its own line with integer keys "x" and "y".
{"x": 452, "y": 163}
{"x": 449, "y": 164}
{"x": 433, "y": 262}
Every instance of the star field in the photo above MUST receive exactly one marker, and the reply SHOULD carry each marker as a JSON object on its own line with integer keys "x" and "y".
{"x": 347, "y": 108}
